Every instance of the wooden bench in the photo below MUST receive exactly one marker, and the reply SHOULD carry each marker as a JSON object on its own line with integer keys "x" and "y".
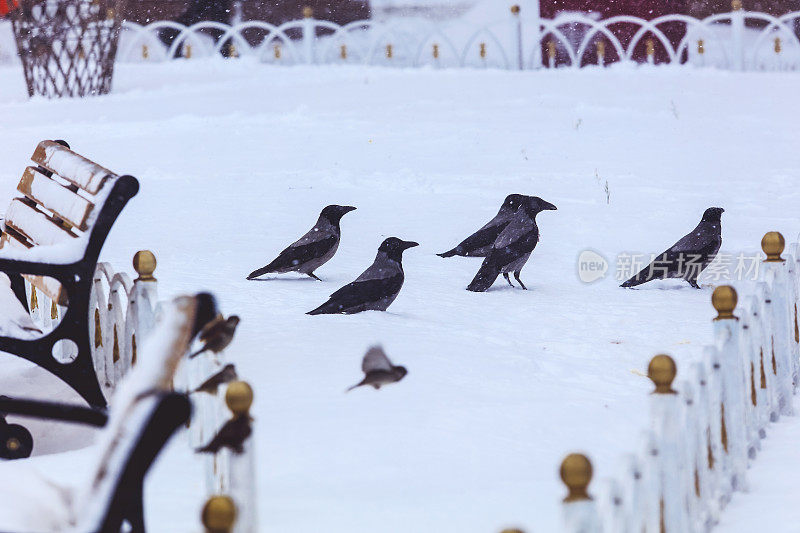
{"x": 144, "y": 415}
{"x": 52, "y": 235}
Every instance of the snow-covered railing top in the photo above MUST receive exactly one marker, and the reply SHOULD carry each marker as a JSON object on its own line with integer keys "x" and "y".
{"x": 735, "y": 40}
{"x": 706, "y": 430}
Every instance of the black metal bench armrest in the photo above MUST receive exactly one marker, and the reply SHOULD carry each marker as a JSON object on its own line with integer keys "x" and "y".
{"x": 90, "y": 416}
{"x": 17, "y": 266}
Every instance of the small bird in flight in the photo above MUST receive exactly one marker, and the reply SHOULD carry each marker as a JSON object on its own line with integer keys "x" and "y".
{"x": 226, "y": 375}
{"x": 313, "y": 249}
{"x": 513, "y": 246}
{"x": 480, "y": 243}
{"x": 688, "y": 257}
{"x": 378, "y": 370}
{"x": 376, "y": 288}
{"x": 217, "y": 334}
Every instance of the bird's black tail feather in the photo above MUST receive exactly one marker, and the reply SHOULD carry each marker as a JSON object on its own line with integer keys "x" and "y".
{"x": 327, "y": 308}
{"x": 260, "y": 272}
{"x": 640, "y": 278}
{"x": 449, "y": 253}
{"x": 484, "y": 278}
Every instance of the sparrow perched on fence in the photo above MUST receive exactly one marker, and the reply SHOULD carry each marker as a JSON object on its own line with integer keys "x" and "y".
{"x": 231, "y": 435}
{"x": 217, "y": 334}
{"x": 313, "y": 249}
{"x": 226, "y": 375}
{"x": 513, "y": 246}
{"x": 376, "y": 288}
{"x": 480, "y": 243}
{"x": 688, "y": 257}
{"x": 378, "y": 370}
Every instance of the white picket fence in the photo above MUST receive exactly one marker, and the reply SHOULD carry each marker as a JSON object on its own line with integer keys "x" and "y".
{"x": 737, "y": 40}
{"x": 703, "y": 437}
{"x": 225, "y": 472}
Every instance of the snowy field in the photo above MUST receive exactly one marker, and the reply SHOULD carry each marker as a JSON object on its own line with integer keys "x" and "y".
{"x": 235, "y": 161}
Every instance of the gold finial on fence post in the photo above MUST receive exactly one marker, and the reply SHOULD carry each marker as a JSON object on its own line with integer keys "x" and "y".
{"x": 145, "y": 52}
{"x": 308, "y": 12}
{"x": 701, "y": 47}
{"x": 389, "y": 51}
{"x": 773, "y": 244}
{"x": 219, "y": 514}
{"x": 736, "y": 5}
{"x": 777, "y": 45}
{"x": 724, "y": 300}
{"x": 576, "y": 473}
{"x": 662, "y": 371}
{"x": 601, "y": 51}
{"x": 483, "y": 50}
{"x": 515, "y": 9}
{"x": 436, "y": 51}
{"x": 343, "y": 51}
{"x": 512, "y": 530}
{"x": 239, "y": 398}
{"x": 144, "y": 263}
{"x": 650, "y": 45}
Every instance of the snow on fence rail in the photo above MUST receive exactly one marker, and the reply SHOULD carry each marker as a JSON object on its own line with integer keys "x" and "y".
{"x": 703, "y": 436}
{"x": 736, "y": 40}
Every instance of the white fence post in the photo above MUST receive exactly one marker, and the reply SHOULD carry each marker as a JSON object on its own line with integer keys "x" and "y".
{"x": 774, "y": 273}
{"x": 242, "y": 467}
{"x": 517, "y": 22}
{"x": 309, "y": 34}
{"x": 718, "y": 428}
{"x": 579, "y": 512}
{"x": 726, "y": 334}
{"x": 536, "y": 21}
{"x": 737, "y": 35}
{"x": 665, "y": 413}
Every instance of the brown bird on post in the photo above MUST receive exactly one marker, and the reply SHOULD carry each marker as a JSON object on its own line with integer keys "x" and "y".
{"x": 226, "y": 375}
{"x": 232, "y": 435}
{"x": 217, "y": 334}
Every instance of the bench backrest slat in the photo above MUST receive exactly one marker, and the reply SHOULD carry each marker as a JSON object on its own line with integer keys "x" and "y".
{"x": 34, "y": 224}
{"x": 51, "y": 195}
{"x": 73, "y": 167}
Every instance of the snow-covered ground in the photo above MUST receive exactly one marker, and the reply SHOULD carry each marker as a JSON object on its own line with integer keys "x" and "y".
{"x": 235, "y": 161}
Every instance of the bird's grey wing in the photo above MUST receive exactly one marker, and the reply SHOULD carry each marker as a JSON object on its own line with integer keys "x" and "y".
{"x": 299, "y": 254}
{"x": 376, "y": 359}
{"x": 519, "y": 227}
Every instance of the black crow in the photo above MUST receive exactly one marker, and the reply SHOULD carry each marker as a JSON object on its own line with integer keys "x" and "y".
{"x": 513, "y": 246}
{"x": 226, "y": 375}
{"x": 217, "y": 334}
{"x": 689, "y": 256}
{"x": 378, "y": 370}
{"x": 231, "y": 435}
{"x": 313, "y": 249}
{"x": 376, "y": 288}
{"x": 479, "y": 243}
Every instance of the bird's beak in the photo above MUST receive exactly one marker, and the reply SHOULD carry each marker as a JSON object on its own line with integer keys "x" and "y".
{"x": 409, "y": 244}
{"x": 547, "y": 206}
{"x": 347, "y": 208}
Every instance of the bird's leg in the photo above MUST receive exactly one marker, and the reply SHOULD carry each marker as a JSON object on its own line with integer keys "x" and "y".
{"x": 312, "y": 275}
{"x": 505, "y": 275}
{"x": 693, "y": 283}
{"x": 516, "y": 277}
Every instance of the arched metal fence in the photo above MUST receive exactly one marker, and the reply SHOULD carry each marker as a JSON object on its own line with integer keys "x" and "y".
{"x": 737, "y": 40}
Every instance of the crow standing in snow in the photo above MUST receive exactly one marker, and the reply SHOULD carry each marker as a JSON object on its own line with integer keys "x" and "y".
{"x": 513, "y": 246}
{"x": 378, "y": 370}
{"x": 689, "y": 256}
{"x": 376, "y": 288}
{"x": 314, "y": 249}
{"x": 480, "y": 243}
